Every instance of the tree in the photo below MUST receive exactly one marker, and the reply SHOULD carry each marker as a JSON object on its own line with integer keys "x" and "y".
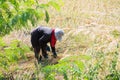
{"x": 15, "y": 14}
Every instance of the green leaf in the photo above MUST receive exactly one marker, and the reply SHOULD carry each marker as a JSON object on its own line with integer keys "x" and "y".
{"x": 116, "y": 33}
{"x": 44, "y": 6}
{"x": 2, "y": 1}
{"x": 2, "y": 43}
{"x": 55, "y": 5}
{"x": 15, "y": 43}
{"x": 24, "y": 18}
{"x": 47, "y": 17}
{"x": 15, "y": 14}
{"x": 15, "y": 4}
{"x": 14, "y": 20}
{"x": 80, "y": 64}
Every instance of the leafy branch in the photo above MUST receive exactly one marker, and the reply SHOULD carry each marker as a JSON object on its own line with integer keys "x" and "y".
{"x": 21, "y": 13}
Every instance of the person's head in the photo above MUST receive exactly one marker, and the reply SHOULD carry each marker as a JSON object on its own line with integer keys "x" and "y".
{"x": 58, "y": 34}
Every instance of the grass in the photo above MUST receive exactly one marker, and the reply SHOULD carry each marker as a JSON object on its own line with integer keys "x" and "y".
{"x": 76, "y": 13}
{"x": 90, "y": 47}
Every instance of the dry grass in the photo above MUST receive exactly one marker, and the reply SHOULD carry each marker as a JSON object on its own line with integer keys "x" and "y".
{"x": 82, "y": 12}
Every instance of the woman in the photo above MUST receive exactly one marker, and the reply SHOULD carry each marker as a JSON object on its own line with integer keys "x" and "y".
{"x": 43, "y": 35}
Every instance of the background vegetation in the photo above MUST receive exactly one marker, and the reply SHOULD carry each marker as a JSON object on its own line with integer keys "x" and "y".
{"x": 90, "y": 49}
{"x": 16, "y": 14}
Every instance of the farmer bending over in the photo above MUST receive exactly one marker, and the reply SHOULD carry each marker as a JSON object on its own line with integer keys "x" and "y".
{"x": 41, "y": 36}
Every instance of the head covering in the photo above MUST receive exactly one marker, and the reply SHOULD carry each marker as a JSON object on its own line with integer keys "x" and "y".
{"x": 58, "y": 34}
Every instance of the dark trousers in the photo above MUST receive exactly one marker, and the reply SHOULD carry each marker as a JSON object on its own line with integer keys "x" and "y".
{"x": 38, "y": 46}
{"x": 37, "y": 52}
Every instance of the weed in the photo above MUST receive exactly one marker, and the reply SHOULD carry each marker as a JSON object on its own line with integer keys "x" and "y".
{"x": 11, "y": 54}
{"x": 115, "y": 33}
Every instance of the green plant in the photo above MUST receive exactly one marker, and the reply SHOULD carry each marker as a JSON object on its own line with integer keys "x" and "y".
{"x": 10, "y": 54}
{"x": 115, "y": 33}
{"x": 71, "y": 68}
{"x": 93, "y": 72}
{"x": 23, "y": 13}
{"x": 1, "y": 76}
{"x": 114, "y": 73}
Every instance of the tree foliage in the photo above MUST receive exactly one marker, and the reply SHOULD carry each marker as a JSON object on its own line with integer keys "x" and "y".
{"x": 15, "y": 14}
